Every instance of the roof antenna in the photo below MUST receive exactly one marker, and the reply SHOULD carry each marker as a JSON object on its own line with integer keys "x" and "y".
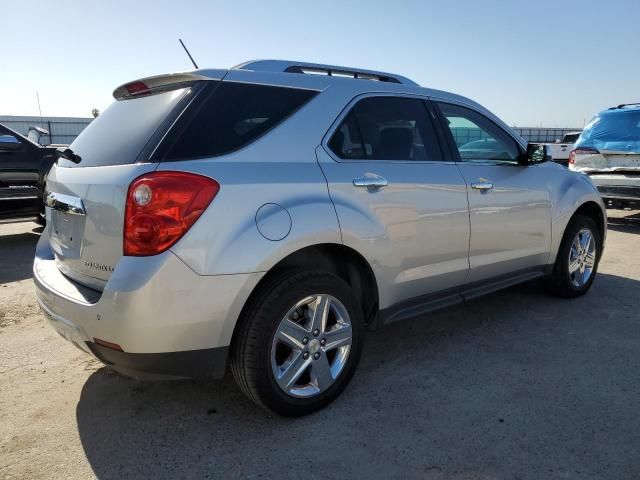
{"x": 190, "y": 57}
{"x": 39, "y": 109}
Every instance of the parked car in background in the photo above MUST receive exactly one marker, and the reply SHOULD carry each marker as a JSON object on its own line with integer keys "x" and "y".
{"x": 485, "y": 148}
{"x": 24, "y": 166}
{"x": 265, "y": 215}
{"x": 608, "y": 150}
{"x": 560, "y": 149}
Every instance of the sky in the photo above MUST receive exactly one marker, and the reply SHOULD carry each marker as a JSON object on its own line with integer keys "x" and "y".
{"x": 550, "y": 63}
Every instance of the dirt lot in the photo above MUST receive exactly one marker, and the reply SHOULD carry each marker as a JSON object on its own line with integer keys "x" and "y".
{"x": 515, "y": 385}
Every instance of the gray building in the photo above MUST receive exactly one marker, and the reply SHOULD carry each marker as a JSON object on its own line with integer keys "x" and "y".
{"x": 62, "y": 130}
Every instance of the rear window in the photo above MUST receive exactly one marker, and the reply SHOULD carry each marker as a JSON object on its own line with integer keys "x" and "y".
{"x": 616, "y": 130}
{"x": 570, "y": 137}
{"x": 118, "y": 135}
{"x": 230, "y": 116}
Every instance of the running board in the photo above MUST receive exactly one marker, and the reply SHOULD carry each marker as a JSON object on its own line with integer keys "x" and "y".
{"x": 429, "y": 303}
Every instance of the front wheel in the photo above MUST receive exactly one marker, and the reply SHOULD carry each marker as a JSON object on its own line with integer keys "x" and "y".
{"x": 577, "y": 260}
{"x": 298, "y": 343}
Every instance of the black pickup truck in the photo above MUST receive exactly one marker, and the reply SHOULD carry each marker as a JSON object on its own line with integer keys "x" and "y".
{"x": 24, "y": 166}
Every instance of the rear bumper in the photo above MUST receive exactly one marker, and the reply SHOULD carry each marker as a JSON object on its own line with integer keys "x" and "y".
{"x": 618, "y": 189}
{"x": 168, "y": 320}
{"x": 209, "y": 362}
{"x": 203, "y": 363}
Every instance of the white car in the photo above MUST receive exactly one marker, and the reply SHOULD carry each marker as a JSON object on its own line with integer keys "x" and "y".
{"x": 561, "y": 149}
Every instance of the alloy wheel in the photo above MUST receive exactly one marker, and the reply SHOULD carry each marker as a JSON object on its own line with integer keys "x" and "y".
{"x": 582, "y": 257}
{"x": 311, "y": 346}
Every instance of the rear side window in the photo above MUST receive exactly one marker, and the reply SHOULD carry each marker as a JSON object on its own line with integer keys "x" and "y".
{"x": 120, "y": 133}
{"x": 386, "y": 128}
{"x": 230, "y": 116}
{"x": 570, "y": 138}
{"x": 477, "y": 138}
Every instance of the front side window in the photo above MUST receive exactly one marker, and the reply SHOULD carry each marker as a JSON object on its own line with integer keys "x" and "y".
{"x": 231, "y": 116}
{"x": 478, "y": 138}
{"x": 386, "y": 128}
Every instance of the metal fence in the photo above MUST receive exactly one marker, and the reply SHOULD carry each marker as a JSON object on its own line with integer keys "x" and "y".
{"x": 464, "y": 135}
{"x": 62, "y": 130}
{"x": 544, "y": 135}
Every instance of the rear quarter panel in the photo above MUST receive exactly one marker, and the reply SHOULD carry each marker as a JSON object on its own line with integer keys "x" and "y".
{"x": 279, "y": 168}
{"x": 226, "y": 239}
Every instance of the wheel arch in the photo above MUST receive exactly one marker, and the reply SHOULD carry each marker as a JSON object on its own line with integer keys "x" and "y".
{"x": 572, "y": 194}
{"x": 592, "y": 210}
{"x": 338, "y": 259}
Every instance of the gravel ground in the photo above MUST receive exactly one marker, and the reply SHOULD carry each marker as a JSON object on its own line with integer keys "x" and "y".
{"x": 514, "y": 385}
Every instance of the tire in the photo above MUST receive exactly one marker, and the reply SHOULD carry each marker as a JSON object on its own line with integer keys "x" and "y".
{"x": 263, "y": 346}
{"x": 564, "y": 283}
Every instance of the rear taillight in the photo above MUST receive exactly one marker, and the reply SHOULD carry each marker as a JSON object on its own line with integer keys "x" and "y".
{"x": 581, "y": 151}
{"x": 161, "y": 207}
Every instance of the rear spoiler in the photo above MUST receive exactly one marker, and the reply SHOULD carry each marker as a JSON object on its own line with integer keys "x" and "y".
{"x": 170, "y": 81}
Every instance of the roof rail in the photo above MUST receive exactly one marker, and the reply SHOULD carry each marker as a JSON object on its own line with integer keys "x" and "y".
{"x": 622, "y": 105}
{"x": 289, "y": 66}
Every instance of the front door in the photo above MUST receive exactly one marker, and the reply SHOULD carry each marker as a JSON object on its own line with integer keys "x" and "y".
{"x": 19, "y": 167}
{"x": 509, "y": 203}
{"x": 398, "y": 202}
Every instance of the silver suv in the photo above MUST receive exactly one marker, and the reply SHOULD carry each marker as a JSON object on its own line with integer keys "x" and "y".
{"x": 266, "y": 215}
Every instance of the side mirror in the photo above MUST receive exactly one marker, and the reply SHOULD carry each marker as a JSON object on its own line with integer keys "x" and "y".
{"x": 536, "y": 153}
{"x": 9, "y": 143}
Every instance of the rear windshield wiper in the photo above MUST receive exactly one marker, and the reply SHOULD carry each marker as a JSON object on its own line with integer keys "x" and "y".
{"x": 68, "y": 154}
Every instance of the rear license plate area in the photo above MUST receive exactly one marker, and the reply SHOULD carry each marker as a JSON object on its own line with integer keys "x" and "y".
{"x": 67, "y": 231}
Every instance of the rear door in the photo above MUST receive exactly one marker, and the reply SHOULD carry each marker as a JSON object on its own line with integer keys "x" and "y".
{"x": 509, "y": 203}
{"x": 86, "y": 201}
{"x": 399, "y": 203}
{"x": 19, "y": 167}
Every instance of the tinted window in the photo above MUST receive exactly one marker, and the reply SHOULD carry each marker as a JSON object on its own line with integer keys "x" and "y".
{"x": 230, "y": 117}
{"x": 120, "y": 133}
{"x": 570, "y": 138}
{"x": 386, "y": 128}
{"x": 477, "y": 137}
{"x": 347, "y": 142}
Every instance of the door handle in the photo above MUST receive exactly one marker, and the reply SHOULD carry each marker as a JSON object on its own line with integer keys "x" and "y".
{"x": 371, "y": 181}
{"x": 482, "y": 186}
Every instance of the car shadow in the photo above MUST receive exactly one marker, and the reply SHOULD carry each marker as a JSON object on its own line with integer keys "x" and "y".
{"x": 16, "y": 255}
{"x": 626, "y": 222}
{"x": 517, "y": 382}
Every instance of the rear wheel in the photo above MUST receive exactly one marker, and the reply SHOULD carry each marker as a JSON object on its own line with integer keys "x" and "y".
{"x": 298, "y": 343}
{"x": 577, "y": 260}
